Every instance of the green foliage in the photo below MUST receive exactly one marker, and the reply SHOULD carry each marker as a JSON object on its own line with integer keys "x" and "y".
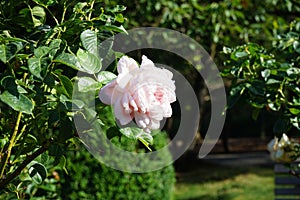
{"x": 42, "y": 45}
{"x": 215, "y": 24}
{"x": 268, "y": 79}
{"x": 88, "y": 179}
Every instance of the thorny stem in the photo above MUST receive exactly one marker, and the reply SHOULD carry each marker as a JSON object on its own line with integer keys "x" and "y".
{"x": 10, "y": 146}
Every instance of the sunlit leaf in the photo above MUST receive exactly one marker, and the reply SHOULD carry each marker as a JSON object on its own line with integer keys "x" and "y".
{"x": 69, "y": 60}
{"x": 18, "y": 102}
{"x": 105, "y": 76}
{"x": 38, "y": 16}
{"x": 241, "y": 54}
{"x": 35, "y": 67}
{"x": 90, "y": 41}
{"x": 2, "y": 53}
{"x": 88, "y": 61}
{"x": 118, "y": 29}
{"x": 86, "y": 84}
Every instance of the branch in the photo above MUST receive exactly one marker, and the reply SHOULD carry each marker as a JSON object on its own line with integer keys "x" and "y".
{"x": 10, "y": 146}
{"x": 30, "y": 158}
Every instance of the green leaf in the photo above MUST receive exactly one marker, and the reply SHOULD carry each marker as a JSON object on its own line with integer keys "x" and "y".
{"x": 44, "y": 158}
{"x": 78, "y": 103}
{"x": 35, "y": 67}
{"x": 69, "y": 60}
{"x": 281, "y": 125}
{"x": 235, "y": 93}
{"x": 62, "y": 163}
{"x": 90, "y": 41}
{"x": 56, "y": 47}
{"x": 65, "y": 130}
{"x": 11, "y": 187}
{"x": 241, "y": 54}
{"x": 295, "y": 111}
{"x": 296, "y": 46}
{"x": 105, "y": 77}
{"x": 89, "y": 114}
{"x": 38, "y": 172}
{"x": 56, "y": 150}
{"x": 8, "y": 51}
{"x": 45, "y": 3}
{"x": 86, "y": 84}
{"x": 38, "y": 16}
{"x": 78, "y": 8}
{"x": 119, "y": 18}
{"x": 138, "y": 134}
{"x": 266, "y": 73}
{"x": 117, "y": 8}
{"x": 88, "y": 61}
{"x": 227, "y": 50}
{"x": 255, "y": 113}
{"x": 118, "y": 29}
{"x": 18, "y": 102}
{"x": 41, "y": 51}
{"x": 3, "y": 53}
{"x": 67, "y": 85}
{"x": 257, "y": 88}
{"x": 112, "y": 132}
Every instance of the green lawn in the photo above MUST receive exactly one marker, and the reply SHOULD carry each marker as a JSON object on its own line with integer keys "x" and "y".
{"x": 210, "y": 182}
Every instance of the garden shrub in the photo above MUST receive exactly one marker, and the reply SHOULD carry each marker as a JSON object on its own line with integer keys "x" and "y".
{"x": 89, "y": 179}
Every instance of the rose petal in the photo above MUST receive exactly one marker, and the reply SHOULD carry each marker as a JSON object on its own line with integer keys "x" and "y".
{"x": 123, "y": 117}
{"x": 126, "y": 65}
{"x": 106, "y": 92}
{"x": 156, "y": 113}
{"x": 154, "y": 124}
{"x": 167, "y": 110}
{"x": 146, "y": 63}
{"x": 140, "y": 119}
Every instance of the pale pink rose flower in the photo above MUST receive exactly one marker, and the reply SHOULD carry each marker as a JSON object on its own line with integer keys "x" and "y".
{"x": 144, "y": 93}
{"x": 282, "y": 150}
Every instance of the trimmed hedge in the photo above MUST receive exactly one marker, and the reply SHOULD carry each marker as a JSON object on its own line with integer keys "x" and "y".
{"x": 89, "y": 179}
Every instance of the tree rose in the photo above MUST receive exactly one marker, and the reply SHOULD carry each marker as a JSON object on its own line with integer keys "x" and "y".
{"x": 144, "y": 93}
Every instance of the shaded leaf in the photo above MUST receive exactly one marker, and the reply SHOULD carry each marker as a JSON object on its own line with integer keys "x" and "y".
{"x": 38, "y": 172}
{"x": 67, "y": 85}
{"x": 281, "y": 125}
{"x": 112, "y": 132}
{"x": 8, "y": 51}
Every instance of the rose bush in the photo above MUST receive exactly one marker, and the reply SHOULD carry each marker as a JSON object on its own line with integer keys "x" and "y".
{"x": 143, "y": 93}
